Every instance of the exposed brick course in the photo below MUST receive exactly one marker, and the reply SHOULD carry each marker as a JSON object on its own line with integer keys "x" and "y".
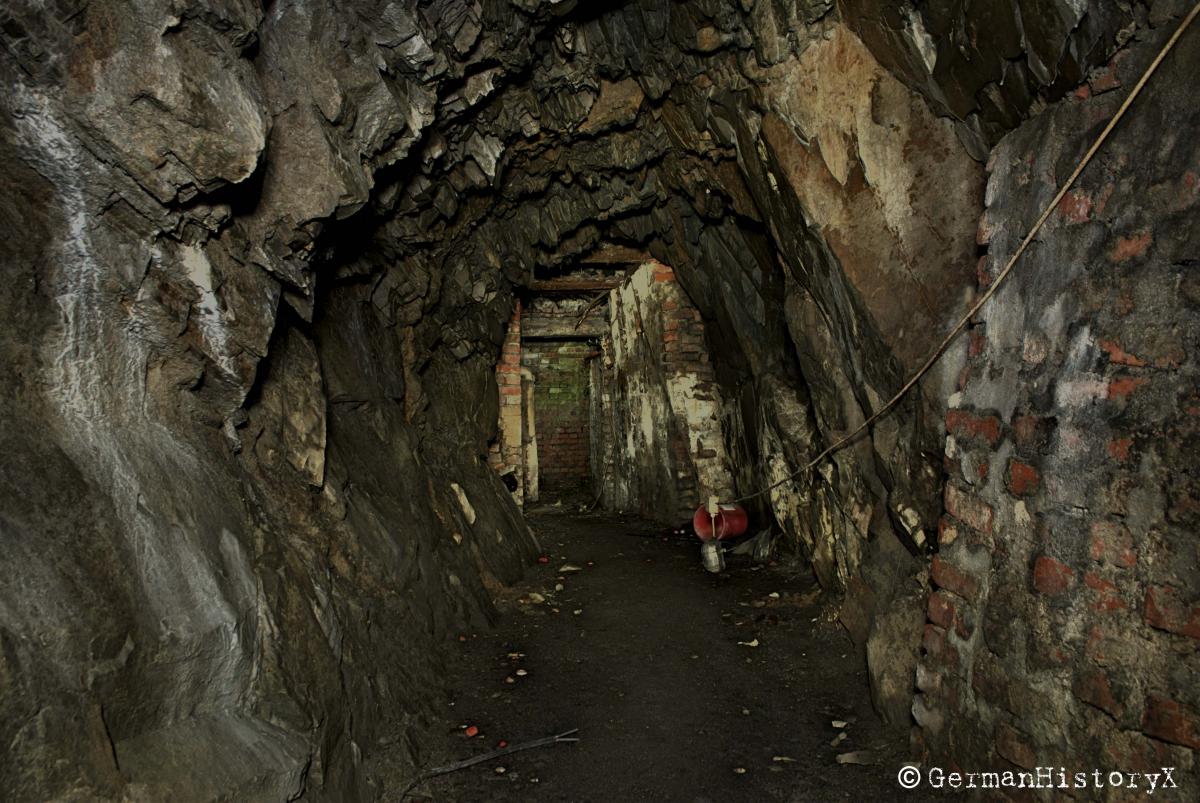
{"x": 1052, "y": 577}
{"x": 561, "y": 388}
{"x": 1165, "y": 609}
{"x": 1082, "y": 403}
{"x": 1171, "y": 721}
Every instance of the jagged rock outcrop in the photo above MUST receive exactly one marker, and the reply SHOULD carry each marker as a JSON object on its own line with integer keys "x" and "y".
{"x": 258, "y": 264}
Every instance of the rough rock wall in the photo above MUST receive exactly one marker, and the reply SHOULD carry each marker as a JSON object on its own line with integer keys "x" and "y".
{"x": 235, "y": 530}
{"x": 990, "y": 66}
{"x": 659, "y": 444}
{"x": 870, "y": 199}
{"x": 1065, "y": 623}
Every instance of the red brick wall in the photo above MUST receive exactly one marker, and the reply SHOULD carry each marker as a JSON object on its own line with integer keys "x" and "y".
{"x": 561, "y": 380}
{"x": 1064, "y": 625}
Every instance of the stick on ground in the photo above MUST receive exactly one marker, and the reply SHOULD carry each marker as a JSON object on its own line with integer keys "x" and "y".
{"x": 545, "y": 741}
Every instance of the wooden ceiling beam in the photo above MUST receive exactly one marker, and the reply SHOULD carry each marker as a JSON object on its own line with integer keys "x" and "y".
{"x": 567, "y": 285}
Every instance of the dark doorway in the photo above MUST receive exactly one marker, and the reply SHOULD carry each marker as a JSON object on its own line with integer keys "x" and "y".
{"x": 560, "y": 403}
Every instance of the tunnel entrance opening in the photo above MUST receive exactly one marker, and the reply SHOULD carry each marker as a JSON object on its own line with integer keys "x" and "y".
{"x": 556, "y": 389}
{"x": 608, "y": 397}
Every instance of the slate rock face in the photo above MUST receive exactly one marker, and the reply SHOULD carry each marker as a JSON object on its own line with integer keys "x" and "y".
{"x": 990, "y": 67}
{"x": 257, "y": 268}
{"x": 233, "y": 545}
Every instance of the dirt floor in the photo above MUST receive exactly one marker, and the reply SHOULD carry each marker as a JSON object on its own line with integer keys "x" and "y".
{"x": 684, "y": 686}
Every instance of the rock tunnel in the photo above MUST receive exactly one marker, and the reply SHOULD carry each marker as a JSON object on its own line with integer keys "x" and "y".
{"x": 343, "y": 336}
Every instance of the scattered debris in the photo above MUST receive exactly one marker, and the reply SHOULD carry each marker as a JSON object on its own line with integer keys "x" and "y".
{"x": 470, "y": 731}
{"x": 567, "y": 568}
{"x": 839, "y": 723}
{"x": 841, "y": 737}
{"x": 751, "y": 643}
{"x": 739, "y": 770}
{"x": 783, "y": 759}
{"x": 864, "y": 757}
{"x": 521, "y": 673}
{"x": 500, "y": 770}
{"x": 759, "y": 547}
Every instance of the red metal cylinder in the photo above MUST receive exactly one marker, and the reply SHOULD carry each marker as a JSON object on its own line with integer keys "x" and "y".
{"x": 731, "y": 521}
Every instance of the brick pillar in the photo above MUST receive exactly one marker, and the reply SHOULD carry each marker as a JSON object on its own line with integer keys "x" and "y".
{"x": 508, "y": 381}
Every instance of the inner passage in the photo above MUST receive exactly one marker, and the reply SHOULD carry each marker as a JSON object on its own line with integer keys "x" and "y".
{"x": 608, "y": 398}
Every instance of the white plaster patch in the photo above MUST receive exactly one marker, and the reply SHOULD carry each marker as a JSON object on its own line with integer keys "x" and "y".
{"x": 463, "y": 502}
{"x": 1079, "y": 353}
{"x": 1052, "y": 319}
{"x": 914, "y": 29}
{"x": 1080, "y": 392}
{"x": 208, "y": 310}
{"x": 1071, "y": 443}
